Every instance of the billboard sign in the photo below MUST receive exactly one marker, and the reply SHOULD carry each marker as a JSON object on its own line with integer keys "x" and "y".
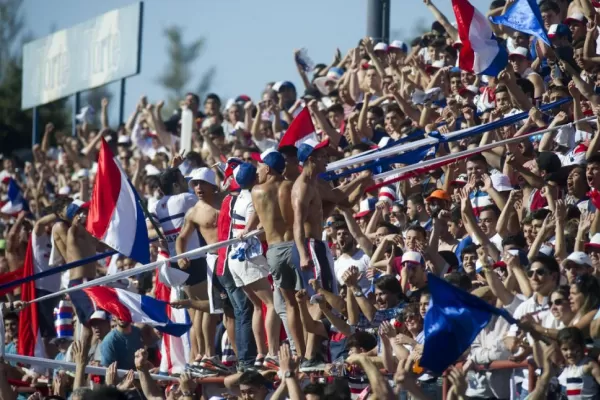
{"x": 87, "y": 55}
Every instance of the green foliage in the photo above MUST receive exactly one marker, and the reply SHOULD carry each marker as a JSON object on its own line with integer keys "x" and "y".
{"x": 178, "y": 73}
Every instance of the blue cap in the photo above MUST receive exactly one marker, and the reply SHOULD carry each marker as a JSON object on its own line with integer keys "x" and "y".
{"x": 244, "y": 174}
{"x": 273, "y": 159}
{"x": 307, "y": 148}
{"x": 283, "y": 84}
{"x": 559, "y": 30}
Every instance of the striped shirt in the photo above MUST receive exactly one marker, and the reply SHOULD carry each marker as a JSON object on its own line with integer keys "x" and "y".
{"x": 578, "y": 385}
{"x": 170, "y": 212}
{"x": 479, "y": 200}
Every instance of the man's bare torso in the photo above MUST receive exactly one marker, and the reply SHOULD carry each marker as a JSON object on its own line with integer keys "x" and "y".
{"x": 205, "y": 216}
{"x": 306, "y": 191}
{"x": 270, "y": 208}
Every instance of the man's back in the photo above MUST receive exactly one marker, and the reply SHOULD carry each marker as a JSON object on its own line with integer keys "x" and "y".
{"x": 267, "y": 206}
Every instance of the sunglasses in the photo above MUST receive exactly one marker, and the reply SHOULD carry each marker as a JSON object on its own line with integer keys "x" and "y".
{"x": 539, "y": 272}
{"x": 557, "y": 302}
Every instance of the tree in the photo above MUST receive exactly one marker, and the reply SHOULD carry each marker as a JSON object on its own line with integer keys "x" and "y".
{"x": 177, "y": 75}
{"x": 16, "y": 124}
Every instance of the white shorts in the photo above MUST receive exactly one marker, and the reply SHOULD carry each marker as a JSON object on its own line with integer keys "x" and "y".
{"x": 246, "y": 272}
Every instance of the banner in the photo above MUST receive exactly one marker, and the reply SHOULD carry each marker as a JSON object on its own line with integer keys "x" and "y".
{"x": 87, "y": 55}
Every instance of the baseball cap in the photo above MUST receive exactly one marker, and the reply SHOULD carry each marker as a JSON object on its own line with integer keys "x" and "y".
{"x": 365, "y": 207}
{"x": 471, "y": 89}
{"x": 575, "y": 17}
{"x": 579, "y": 258}
{"x": 559, "y": 30}
{"x": 333, "y": 75}
{"x": 202, "y": 174}
{"x": 308, "y": 147}
{"x": 124, "y": 140}
{"x": 381, "y": 46}
{"x": 273, "y": 159}
{"x": 75, "y": 206}
{"x": 501, "y": 182}
{"x": 283, "y": 85}
{"x": 244, "y": 174}
{"x": 413, "y": 257}
{"x": 398, "y": 45}
{"x": 594, "y": 242}
{"x": 434, "y": 66}
{"x": 519, "y": 52}
{"x": 100, "y": 314}
{"x": 460, "y": 180}
{"x": 438, "y": 194}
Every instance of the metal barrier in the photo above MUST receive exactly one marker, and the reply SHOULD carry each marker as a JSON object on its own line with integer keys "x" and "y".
{"x": 496, "y": 365}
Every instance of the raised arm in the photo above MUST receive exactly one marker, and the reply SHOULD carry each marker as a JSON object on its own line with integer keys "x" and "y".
{"x": 333, "y": 135}
{"x": 363, "y": 241}
{"x": 104, "y": 113}
{"x": 441, "y": 18}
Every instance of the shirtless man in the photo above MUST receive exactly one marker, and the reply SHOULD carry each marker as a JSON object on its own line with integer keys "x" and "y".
{"x": 272, "y": 202}
{"x": 252, "y": 275}
{"x": 73, "y": 243}
{"x": 311, "y": 256}
{"x": 202, "y": 218}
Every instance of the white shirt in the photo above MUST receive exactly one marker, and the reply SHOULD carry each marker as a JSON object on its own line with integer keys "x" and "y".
{"x": 170, "y": 212}
{"x": 496, "y": 241}
{"x": 545, "y": 318}
{"x": 359, "y": 260}
{"x": 266, "y": 144}
{"x": 243, "y": 209}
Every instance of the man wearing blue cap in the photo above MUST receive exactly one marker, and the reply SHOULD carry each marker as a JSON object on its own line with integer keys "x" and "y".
{"x": 252, "y": 274}
{"x": 311, "y": 256}
{"x": 272, "y": 203}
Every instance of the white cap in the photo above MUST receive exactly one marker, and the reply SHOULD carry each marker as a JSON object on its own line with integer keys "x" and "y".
{"x": 594, "y": 242}
{"x": 202, "y": 174}
{"x": 579, "y": 258}
{"x": 364, "y": 209}
{"x": 413, "y": 257}
{"x": 519, "y": 52}
{"x": 438, "y": 64}
{"x": 100, "y": 314}
{"x": 381, "y": 46}
{"x": 398, "y": 44}
{"x": 124, "y": 139}
{"x": 65, "y": 190}
{"x": 501, "y": 182}
{"x": 577, "y": 16}
{"x": 151, "y": 170}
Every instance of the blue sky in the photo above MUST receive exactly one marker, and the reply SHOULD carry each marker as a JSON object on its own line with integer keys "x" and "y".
{"x": 250, "y": 42}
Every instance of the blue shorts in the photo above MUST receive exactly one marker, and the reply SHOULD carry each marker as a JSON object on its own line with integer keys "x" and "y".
{"x": 84, "y": 307}
{"x": 322, "y": 269}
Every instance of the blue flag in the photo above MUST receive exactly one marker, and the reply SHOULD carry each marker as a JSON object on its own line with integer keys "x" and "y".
{"x": 452, "y": 322}
{"x": 524, "y": 16}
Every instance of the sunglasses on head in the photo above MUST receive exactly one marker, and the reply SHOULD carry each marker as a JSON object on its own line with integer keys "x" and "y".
{"x": 557, "y": 302}
{"x": 539, "y": 272}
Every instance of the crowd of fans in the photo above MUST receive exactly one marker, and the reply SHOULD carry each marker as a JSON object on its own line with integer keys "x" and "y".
{"x": 330, "y": 300}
